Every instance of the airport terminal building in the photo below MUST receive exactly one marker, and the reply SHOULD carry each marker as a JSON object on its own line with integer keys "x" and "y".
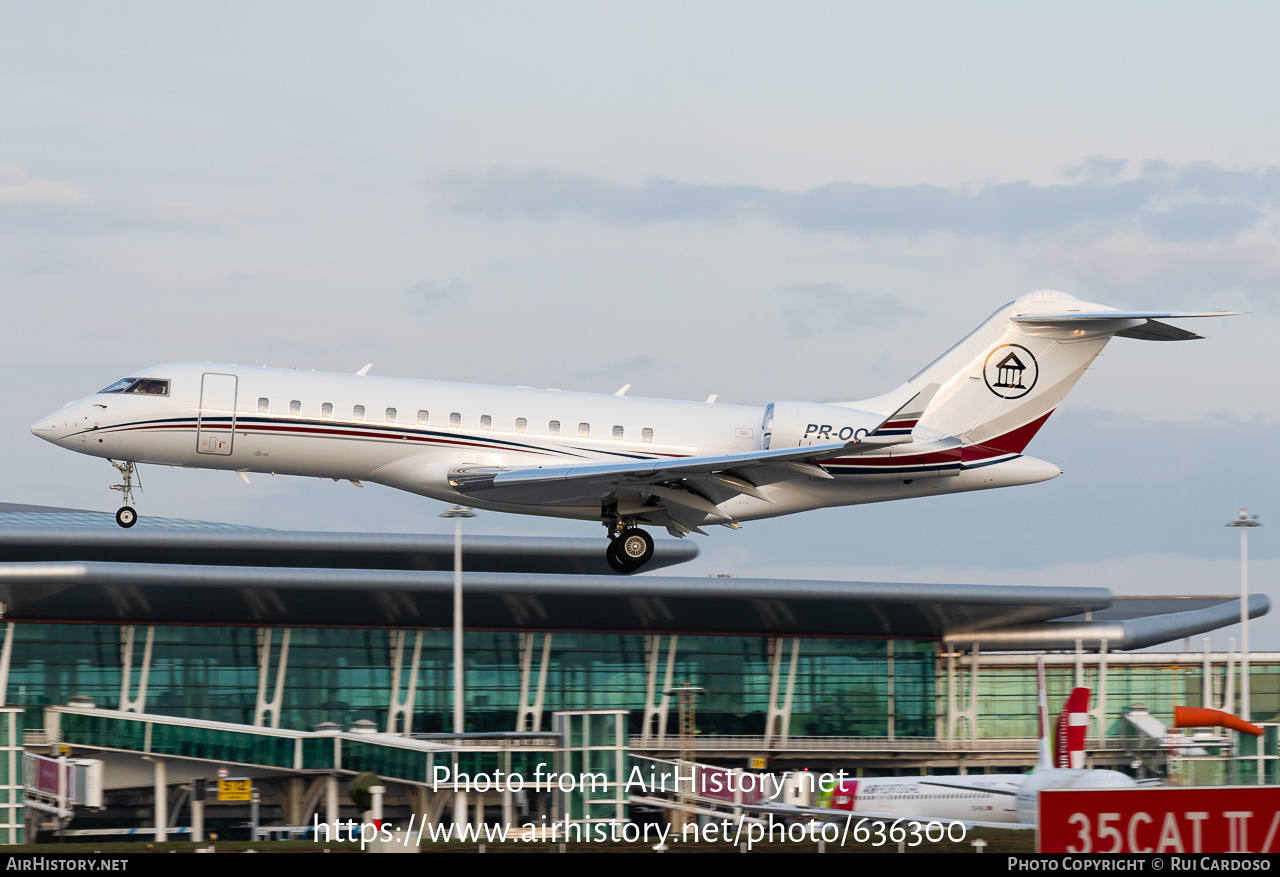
{"x": 302, "y": 657}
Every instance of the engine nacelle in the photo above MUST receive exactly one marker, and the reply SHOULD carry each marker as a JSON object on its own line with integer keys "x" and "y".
{"x": 800, "y": 424}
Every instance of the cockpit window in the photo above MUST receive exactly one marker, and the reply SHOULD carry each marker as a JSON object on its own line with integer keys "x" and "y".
{"x": 139, "y": 386}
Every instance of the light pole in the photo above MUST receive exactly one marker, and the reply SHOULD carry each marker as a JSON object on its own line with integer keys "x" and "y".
{"x": 1244, "y": 521}
{"x": 459, "y": 690}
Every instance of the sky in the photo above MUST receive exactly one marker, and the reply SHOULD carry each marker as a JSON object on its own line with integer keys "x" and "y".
{"x": 764, "y": 201}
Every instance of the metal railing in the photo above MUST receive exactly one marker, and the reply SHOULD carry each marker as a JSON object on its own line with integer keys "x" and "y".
{"x": 716, "y": 743}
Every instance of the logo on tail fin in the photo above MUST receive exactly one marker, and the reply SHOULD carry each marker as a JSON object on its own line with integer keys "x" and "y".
{"x": 1011, "y": 371}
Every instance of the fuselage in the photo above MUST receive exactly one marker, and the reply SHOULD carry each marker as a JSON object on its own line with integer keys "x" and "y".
{"x": 1012, "y": 798}
{"x": 409, "y": 434}
{"x": 911, "y": 797}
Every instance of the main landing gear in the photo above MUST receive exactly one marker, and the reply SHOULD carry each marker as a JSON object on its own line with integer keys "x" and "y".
{"x": 126, "y": 515}
{"x": 629, "y": 548}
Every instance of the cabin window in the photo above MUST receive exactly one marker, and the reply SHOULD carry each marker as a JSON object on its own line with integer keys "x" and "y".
{"x": 295, "y": 408}
{"x": 357, "y": 413}
{"x": 646, "y": 435}
{"x": 584, "y": 430}
{"x": 617, "y": 433}
{"x": 422, "y": 418}
{"x": 455, "y": 420}
{"x": 141, "y": 386}
{"x": 264, "y": 404}
{"x": 553, "y": 428}
{"x": 486, "y": 422}
{"x": 326, "y": 410}
{"x": 522, "y": 425}
{"x": 390, "y": 416}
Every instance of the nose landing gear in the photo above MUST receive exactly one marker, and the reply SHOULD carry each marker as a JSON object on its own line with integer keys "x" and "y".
{"x": 629, "y": 548}
{"x": 126, "y": 515}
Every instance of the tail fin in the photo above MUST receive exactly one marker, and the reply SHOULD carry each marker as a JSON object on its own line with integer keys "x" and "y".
{"x": 1073, "y": 722}
{"x": 999, "y": 385}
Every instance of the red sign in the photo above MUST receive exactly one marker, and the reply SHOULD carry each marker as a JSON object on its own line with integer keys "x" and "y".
{"x": 1172, "y": 819}
{"x": 46, "y": 778}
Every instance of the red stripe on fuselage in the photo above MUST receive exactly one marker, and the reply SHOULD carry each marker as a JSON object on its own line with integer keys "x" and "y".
{"x": 1012, "y": 442}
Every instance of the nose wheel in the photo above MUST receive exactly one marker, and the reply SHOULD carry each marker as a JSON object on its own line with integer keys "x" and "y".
{"x": 126, "y": 515}
{"x": 629, "y": 550}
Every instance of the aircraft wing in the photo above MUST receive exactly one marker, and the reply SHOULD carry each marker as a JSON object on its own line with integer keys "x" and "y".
{"x": 678, "y": 493}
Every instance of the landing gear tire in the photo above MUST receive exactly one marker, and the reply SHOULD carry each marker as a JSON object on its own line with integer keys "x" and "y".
{"x": 126, "y": 517}
{"x": 629, "y": 550}
{"x": 635, "y": 546}
{"x": 616, "y": 562}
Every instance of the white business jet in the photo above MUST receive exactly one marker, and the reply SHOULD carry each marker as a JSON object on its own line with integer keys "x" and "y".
{"x": 960, "y": 424}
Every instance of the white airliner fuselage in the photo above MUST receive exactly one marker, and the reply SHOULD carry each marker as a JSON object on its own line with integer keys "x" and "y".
{"x": 959, "y": 425}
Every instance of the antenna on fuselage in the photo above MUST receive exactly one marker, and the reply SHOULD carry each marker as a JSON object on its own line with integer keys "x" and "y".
{"x": 365, "y": 370}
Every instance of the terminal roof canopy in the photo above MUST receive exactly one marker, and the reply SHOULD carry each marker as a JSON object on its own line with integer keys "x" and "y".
{"x": 58, "y": 565}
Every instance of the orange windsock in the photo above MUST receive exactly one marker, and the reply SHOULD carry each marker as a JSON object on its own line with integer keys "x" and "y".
{"x": 1198, "y": 717}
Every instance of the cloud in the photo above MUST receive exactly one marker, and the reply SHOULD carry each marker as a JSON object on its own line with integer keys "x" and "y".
{"x": 17, "y": 190}
{"x": 431, "y": 295}
{"x": 813, "y": 309}
{"x": 624, "y": 370}
{"x": 1200, "y": 202}
{"x": 30, "y": 207}
{"x": 1141, "y": 262}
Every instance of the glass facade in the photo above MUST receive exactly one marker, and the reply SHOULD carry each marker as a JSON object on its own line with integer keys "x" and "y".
{"x": 344, "y": 675}
{"x": 1007, "y": 692}
{"x": 842, "y": 687}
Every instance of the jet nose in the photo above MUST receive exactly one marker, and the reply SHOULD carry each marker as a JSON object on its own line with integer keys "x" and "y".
{"x": 46, "y": 428}
{"x": 56, "y": 426}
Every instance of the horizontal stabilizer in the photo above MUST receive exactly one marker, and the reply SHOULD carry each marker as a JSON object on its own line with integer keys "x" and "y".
{"x": 1154, "y": 330}
{"x": 1118, "y": 315}
{"x": 1150, "y": 329}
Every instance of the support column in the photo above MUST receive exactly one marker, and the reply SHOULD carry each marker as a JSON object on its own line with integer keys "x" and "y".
{"x": 1099, "y": 711}
{"x": 265, "y": 674}
{"x": 400, "y": 711}
{"x": 136, "y": 702}
{"x": 197, "y": 820}
{"x": 654, "y": 729}
{"x": 6, "y": 654}
{"x": 161, "y": 794}
{"x": 529, "y": 716}
{"x": 892, "y": 705}
{"x": 1229, "y": 692}
{"x": 954, "y": 680}
{"x": 331, "y": 804}
{"x": 1079, "y": 664}
{"x": 778, "y": 721}
{"x": 1207, "y": 699}
{"x": 459, "y": 808}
